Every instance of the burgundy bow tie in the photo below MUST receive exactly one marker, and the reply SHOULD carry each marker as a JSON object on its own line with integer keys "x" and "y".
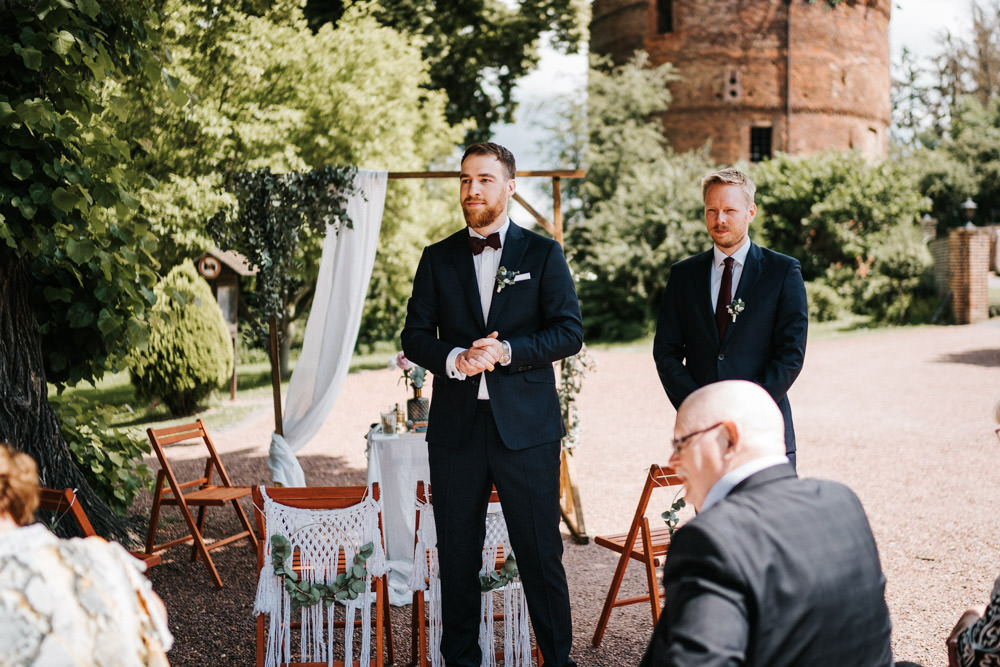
{"x": 477, "y": 244}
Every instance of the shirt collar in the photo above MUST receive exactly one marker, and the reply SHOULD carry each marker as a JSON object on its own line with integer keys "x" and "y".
{"x": 739, "y": 257}
{"x": 729, "y": 481}
{"x": 502, "y": 231}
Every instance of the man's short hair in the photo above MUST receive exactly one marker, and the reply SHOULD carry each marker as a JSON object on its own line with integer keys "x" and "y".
{"x": 729, "y": 176}
{"x": 505, "y": 157}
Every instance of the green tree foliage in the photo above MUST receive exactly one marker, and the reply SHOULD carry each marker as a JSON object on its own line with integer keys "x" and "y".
{"x": 477, "y": 49}
{"x": 259, "y": 89}
{"x": 76, "y": 265}
{"x": 852, "y": 223}
{"x": 640, "y": 204}
{"x": 190, "y": 352}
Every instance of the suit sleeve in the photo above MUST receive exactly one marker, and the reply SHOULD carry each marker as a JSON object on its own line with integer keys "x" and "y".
{"x": 669, "y": 349}
{"x": 789, "y": 337}
{"x": 561, "y": 332}
{"x": 705, "y": 621}
{"x": 419, "y": 338}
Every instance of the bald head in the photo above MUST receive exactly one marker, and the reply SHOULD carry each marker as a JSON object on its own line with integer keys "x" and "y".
{"x": 755, "y": 415}
{"x": 720, "y": 427}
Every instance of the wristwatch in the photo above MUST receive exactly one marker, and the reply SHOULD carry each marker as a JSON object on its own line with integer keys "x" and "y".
{"x": 505, "y": 357}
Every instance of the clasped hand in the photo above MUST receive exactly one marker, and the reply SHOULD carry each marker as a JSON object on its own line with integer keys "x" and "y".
{"x": 484, "y": 354}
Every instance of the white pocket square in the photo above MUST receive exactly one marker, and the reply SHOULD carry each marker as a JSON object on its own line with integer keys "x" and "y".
{"x": 522, "y": 276}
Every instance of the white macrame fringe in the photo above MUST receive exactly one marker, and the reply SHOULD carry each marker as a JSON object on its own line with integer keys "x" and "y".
{"x": 424, "y": 577}
{"x": 319, "y": 536}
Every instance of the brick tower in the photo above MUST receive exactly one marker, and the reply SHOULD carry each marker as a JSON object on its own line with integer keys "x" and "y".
{"x": 762, "y": 76}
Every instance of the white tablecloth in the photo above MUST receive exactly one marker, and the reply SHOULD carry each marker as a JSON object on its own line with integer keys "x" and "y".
{"x": 397, "y": 462}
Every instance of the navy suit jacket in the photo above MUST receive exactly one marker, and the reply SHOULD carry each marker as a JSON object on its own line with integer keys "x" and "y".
{"x": 538, "y": 316}
{"x": 766, "y": 343}
{"x": 783, "y": 571}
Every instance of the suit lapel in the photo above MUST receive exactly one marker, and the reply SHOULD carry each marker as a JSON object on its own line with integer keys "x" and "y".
{"x": 465, "y": 268}
{"x": 702, "y": 291}
{"x": 748, "y": 280}
{"x": 512, "y": 255}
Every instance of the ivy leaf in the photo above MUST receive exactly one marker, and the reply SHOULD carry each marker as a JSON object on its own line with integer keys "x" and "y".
{"x": 21, "y": 169}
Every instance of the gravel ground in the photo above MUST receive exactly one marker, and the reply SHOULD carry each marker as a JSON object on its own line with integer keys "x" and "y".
{"x": 905, "y": 417}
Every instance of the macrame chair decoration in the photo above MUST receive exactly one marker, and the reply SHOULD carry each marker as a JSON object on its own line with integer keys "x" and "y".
{"x": 326, "y": 527}
{"x": 426, "y": 586}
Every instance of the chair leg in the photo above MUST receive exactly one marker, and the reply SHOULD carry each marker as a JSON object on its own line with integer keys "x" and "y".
{"x": 387, "y": 621}
{"x": 199, "y": 543}
{"x": 419, "y": 629}
{"x": 201, "y": 527}
{"x": 651, "y": 583}
{"x": 609, "y": 601}
{"x": 154, "y": 515}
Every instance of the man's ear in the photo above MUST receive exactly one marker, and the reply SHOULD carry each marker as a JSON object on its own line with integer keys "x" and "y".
{"x": 732, "y": 435}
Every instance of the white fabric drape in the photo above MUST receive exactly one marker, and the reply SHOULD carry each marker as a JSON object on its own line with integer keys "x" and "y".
{"x": 332, "y": 328}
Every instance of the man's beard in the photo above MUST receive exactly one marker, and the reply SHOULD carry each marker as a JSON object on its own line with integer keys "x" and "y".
{"x": 485, "y": 216}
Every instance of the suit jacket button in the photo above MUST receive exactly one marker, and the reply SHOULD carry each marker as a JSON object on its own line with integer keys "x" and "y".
{"x": 721, "y": 357}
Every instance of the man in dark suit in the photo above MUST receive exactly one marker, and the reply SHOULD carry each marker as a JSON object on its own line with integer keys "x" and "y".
{"x": 493, "y": 306}
{"x": 735, "y": 312}
{"x": 773, "y": 570}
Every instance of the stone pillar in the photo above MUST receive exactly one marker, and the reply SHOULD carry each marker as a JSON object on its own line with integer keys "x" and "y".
{"x": 968, "y": 265}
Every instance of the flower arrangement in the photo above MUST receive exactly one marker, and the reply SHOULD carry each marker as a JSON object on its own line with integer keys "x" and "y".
{"x": 505, "y": 277}
{"x": 735, "y": 308}
{"x": 413, "y": 375}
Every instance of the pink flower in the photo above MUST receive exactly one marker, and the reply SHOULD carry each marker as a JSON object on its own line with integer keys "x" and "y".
{"x": 403, "y": 363}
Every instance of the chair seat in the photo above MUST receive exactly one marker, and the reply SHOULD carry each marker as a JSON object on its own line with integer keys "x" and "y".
{"x": 211, "y": 495}
{"x": 659, "y": 538}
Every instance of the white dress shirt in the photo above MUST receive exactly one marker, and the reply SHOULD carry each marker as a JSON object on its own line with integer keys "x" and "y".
{"x": 487, "y": 263}
{"x": 718, "y": 265}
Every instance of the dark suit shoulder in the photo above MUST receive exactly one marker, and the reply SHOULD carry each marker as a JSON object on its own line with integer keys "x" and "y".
{"x": 449, "y": 242}
{"x": 775, "y": 257}
{"x": 694, "y": 260}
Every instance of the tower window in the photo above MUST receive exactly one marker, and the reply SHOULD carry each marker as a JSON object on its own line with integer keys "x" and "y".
{"x": 664, "y": 16}
{"x": 760, "y": 144}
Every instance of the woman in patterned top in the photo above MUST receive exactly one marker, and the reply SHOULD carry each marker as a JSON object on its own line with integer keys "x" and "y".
{"x": 69, "y": 602}
{"x": 979, "y": 636}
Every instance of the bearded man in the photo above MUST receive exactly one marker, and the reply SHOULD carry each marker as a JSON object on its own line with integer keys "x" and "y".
{"x": 493, "y": 306}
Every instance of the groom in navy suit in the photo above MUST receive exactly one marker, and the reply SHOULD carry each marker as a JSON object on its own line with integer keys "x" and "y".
{"x": 735, "y": 312}
{"x": 493, "y": 306}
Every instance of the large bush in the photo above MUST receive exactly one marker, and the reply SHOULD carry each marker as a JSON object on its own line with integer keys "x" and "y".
{"x": 852, "y": 223}
{"x": 190, "y": 351}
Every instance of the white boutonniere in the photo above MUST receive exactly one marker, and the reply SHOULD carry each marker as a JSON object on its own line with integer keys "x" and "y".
{"x": 735, "y": 308}
{"x": 505, "y": 277}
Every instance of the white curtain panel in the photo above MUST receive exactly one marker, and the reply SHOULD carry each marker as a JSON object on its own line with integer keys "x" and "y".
{"x": 332, "y": 328}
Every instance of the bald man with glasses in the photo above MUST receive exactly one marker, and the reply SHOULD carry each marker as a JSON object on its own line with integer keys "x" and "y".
{"x": 774, "y": 570}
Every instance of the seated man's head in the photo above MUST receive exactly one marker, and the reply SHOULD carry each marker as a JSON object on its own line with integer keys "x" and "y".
{"x": 18, "y": 487}
{"x": 720, "y": 427}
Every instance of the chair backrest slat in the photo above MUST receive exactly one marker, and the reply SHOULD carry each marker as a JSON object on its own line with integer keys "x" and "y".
{"x": 64, "y": 501}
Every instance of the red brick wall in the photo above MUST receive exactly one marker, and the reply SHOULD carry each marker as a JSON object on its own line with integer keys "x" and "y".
{"x": 817, "y": 75}
{"x": 968, "y": 265}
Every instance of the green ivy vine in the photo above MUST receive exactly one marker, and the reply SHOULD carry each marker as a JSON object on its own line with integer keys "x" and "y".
{"x": 672, "y": 515}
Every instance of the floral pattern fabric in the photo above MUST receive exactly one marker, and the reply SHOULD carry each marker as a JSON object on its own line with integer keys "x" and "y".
{"x": 979, "y": 644}
{"x": 76, "y": 602}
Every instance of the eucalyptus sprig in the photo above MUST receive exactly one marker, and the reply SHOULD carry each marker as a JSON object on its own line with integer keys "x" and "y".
{"x": 499, "y": 578}
{"x": 347, "y": 586}
{"x": 672, "y": 516}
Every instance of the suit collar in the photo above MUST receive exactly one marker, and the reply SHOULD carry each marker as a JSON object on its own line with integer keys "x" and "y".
{"x": 732, "y": 479}
{"x": 765, "y": 476}
{"x": 512, "y": 254}
{"x": 465, "y": 267}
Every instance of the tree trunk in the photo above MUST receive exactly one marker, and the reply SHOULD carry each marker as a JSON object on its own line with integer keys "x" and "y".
{"x": 27, "y": 421}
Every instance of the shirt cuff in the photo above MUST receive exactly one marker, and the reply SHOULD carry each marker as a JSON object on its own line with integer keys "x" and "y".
{"x": 449, "y": 364}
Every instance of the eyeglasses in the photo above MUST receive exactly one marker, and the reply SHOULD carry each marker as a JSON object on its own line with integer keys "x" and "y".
{"x": 681, "y": 442}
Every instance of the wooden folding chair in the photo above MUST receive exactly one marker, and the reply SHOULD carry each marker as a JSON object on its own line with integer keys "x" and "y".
{"x": 328, "y": 510}
{"x": 201, "y": 493}
{"x": 425, "y": 648}
{"x": 63, "y": 502}
{"x": 648, "y": 546}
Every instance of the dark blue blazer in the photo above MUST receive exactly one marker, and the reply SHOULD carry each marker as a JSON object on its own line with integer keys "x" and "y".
{"x": 766, "y": 344}
{"x": 539, "y": 316}
{"x": 782, "y": 572}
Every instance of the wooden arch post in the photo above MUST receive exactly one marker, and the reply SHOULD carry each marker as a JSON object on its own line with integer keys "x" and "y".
{"x": 569, "y": 495}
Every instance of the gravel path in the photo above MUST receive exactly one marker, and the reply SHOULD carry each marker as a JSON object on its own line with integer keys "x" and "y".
{"x": 905, "y": 417}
